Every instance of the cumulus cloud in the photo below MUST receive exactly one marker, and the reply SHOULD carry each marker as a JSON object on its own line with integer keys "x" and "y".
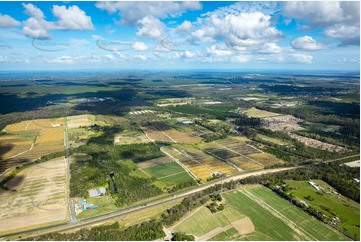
{"x": 345, "y": 60}
{"x": 131, "y": 12}
{"x": 150, "y": 27}
{"x": 219, "y": 50}
{"x": 71, "y": 18}
{"x": 139, "y": 46}
{"x": 302, "y": 58}
{"x": 185, "y": 27}
{"x": 188, "y": 55}
{"x": 270, "y": 48}
{"x": 241, "y": 30}
{"x": 306, "y": 43}
{"x": 141, "y": 57}
{"x": 333, "y": 16}
{"x": 7, "y": 21}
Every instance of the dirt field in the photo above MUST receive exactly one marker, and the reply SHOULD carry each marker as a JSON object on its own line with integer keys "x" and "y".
{"x": 154, "y": 162}
{"x": 286, "y": 123}
{"x": 355, "y": 163}
{"x": 77, "y": 121}
{"x": 318, "y": 144}
{"x": 37, "y": 196}
{"x": 243, "y": 226}
{"x": 160, "y": 131}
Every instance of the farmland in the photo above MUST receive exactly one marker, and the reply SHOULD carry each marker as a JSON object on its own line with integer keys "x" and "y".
{"x": 159, "y": 131}
{"x": 37, "y": 196}
{"x": 330, "y": 203}
{"x": 276, "y": 219}
{"x": 78, "y": 121}
{"x": 30, "y": 140}
{"x": 199, "y": 163}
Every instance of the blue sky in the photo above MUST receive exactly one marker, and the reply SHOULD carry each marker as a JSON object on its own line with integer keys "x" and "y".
{"x": 180, "y": 35}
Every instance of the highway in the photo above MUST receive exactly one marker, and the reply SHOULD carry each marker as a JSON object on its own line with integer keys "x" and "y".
{"x": 99, "y": 219}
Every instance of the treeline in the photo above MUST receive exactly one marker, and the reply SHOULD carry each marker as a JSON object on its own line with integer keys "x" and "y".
{"x": 149, "y": 230}
{"x": 183, "y": 185}
{"x": 338, "y": 176}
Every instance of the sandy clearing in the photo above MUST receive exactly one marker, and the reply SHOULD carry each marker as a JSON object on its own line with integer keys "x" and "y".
{"x": 355, "y": 163}
{"x": 244, "y": 226}
{"x": 38, "y": 196}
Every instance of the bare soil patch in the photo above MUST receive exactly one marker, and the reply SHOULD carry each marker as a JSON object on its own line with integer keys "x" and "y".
{"x": 244, "y": 226}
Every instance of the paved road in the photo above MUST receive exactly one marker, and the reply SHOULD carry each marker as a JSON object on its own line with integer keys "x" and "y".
{"x": 71, "y": 207}
{"x": 99, "y": 219}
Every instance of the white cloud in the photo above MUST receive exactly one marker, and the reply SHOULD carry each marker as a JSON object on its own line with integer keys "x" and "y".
{"x": 188, "y": 55}
{"x": 237, "y": 30}
{"x": 139, "y": 46}
{"x": 345, "y": 60}
{"x": 150, "y": 27}
{"x": 302, "y": 58}
{"x": 131, "y": 12}
{"x": 7, "y": 22}
{"x": 270, "y": 48}
{"x": 141, "y": 57}
{"x": 109, "y": 57}
{"x": 338, "y": 18}
{"x": 185, "y": 27}
{"x": 240, "y": 58}
{"x": 349, "y": 35}
{"x": 306, "y": 43}
{"x": 3, "y": 59}
{"x": 72, "y": 18}
{"x": 218, "y": 50}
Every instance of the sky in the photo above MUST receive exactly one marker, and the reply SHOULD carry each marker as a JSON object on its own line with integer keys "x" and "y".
{"x": 164, "y": 35}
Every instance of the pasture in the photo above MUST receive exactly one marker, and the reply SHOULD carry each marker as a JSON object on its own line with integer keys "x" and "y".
{"x": 174, "y": 134}
{"x": 37, "y": 196}
{"x": 168, "y": 172}
{"x": 277, "y": 219}
{"x": 330, "y": 203}
{"x": 78, "y": 121}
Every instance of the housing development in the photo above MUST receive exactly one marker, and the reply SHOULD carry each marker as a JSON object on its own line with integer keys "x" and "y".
{"x": 143, "y": 152}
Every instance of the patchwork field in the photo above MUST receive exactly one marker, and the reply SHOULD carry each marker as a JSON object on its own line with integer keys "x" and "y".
{"x": 331, "y": 204}
{"x": 204, "y": 225}
{"x": 275, "y": 218}
{"x": 34, "y": 139}
{"x": 37, "y": 196}
{"x": 257, "y": 113}
{"x": 240, "y": 154}
{"x": 199, "y": 163}
{"x": 173, "y": 134}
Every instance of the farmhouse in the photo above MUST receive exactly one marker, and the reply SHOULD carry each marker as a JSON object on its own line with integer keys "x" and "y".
{"x": 314, "y": 185}
{"x": 97, "y": 192}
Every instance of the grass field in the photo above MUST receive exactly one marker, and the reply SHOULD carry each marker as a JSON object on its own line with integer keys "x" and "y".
{"x": 277, "y": 219}
{"x": 273, "y": 140}
{"x": 257, "y": 113}
{"x": 346, "y": 209}
{"x": 168, "y": 172}
{"x": 203, "y": 221}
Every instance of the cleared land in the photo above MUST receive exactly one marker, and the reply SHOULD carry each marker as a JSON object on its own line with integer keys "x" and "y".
{"x": 331, "y": 204}
{"x": 257, "y": 113}
{"x": 37, "y": 196}
{"x": 275, "y": 218}
{"x": 78, "y": 121}
{"x": 318, "y": 144}
{"x": 355, "y": 163}
{"x": 286, "y": 123}
{"x": 130, "y": 137}
{"x": 46, "y": 137}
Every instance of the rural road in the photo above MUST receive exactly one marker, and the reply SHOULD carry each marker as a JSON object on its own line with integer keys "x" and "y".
{"x": 99, "y": 219}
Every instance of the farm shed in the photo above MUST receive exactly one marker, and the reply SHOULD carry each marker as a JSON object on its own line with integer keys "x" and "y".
{"x": 97, "y": 192}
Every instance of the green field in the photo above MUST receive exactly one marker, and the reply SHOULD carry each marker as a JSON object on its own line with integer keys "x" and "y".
{"x": 219, "y": 112}
{"x": 276, "y": 220}
{"x": 226, "y": 235}
{"x": 344, "y": 208}
{"x": 203, "y": 221}
{"x": 276, "y": 141}
{"x": 168, "y": 172}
